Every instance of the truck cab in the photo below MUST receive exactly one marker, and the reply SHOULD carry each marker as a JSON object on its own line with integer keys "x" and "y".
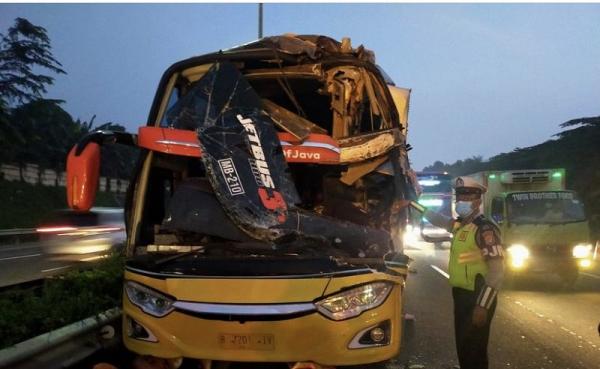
{"x": 543, "y": 226}
{"x": 261, "y": 214}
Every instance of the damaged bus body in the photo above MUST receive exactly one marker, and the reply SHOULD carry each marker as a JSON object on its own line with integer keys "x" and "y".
{"x": 261, "y": 217}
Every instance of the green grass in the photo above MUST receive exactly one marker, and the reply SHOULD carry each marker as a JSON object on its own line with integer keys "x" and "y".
{"x": 76, "y": 295}
{"x": 25, "y": 205}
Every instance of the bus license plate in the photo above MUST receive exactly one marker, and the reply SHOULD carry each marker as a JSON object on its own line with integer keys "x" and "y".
{"x": 247, "y": 341}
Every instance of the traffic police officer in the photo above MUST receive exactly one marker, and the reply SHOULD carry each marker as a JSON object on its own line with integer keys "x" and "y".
{"x": 476, "y": 270}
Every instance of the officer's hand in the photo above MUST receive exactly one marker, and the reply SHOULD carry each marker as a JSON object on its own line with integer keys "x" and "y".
{"x": 399, "y": 205}
{"x": 479, "y": 316}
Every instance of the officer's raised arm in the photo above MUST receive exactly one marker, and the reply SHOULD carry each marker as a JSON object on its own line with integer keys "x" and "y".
{"x": 435, "y": 218}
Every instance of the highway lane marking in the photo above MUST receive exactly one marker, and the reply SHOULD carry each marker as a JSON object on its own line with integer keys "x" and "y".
{"x": 566, "y": 330}
{"x": 440, "y": 271}
{"x": 21, "y": 257}
{"x": 590, "y": 275}
{"x": 52, "y": 269}
{"x": 541, "y": 316}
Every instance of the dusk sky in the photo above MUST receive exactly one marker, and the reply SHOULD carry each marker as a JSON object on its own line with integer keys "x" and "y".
{"x": 486, "y": 78}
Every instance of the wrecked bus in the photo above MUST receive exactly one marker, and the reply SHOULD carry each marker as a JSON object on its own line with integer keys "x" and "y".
{"x": 262, "y": 218}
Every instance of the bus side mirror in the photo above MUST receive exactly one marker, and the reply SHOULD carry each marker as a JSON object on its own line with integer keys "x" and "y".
{"x": 83, "y": 166}
{"x": 83, "y": 171}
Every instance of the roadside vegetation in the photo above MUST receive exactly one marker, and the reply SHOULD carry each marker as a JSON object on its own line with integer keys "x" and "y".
{"x": 61, "y": 300}
{"x": 37, "y": 130}
{"x": 576, "y": 148}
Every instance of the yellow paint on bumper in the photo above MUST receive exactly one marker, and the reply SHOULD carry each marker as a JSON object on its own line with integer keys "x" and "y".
{"x": 311, "y": 337}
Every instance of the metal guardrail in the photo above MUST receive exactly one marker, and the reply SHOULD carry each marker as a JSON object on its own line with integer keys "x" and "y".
{"x": 66, "y": 346}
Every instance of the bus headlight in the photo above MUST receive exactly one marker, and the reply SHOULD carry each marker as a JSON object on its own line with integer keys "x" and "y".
{"x": 582, "y": 251}
{"x": 150, "y": 301}
{"x": 353, "y": 302}
{"x": 518, "y": 254}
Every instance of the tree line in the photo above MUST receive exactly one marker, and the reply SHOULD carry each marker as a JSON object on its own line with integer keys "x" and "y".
{"x": 576, "y": 148}
{"x": 34, "y": 129}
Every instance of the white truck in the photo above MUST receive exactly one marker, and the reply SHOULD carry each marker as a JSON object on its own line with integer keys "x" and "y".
{"x": 543, "y": 225}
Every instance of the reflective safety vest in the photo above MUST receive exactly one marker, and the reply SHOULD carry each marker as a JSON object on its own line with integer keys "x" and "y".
{"x": 466, "y": 259}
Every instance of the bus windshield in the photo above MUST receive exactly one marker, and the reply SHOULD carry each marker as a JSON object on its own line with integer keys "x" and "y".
{"x": 544, "y": 207}
{"x": 435, "y": 182}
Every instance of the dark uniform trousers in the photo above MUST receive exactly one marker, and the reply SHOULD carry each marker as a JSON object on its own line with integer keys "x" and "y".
{"x": 471, "y": 341}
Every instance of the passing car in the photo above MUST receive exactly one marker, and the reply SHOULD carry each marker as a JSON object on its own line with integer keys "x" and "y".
{"x": 263, "y": 210}
{"x": 99, "y": 231}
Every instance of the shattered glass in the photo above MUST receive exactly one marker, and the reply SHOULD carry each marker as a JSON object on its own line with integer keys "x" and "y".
{"x": 248, "y": 173}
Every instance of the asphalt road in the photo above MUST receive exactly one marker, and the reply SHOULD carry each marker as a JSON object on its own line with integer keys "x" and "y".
{"x": 538, "y": 324}
{"x": 27, "y": 262}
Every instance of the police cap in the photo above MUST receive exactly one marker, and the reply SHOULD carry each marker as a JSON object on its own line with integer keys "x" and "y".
{"x": 468, "y": 186}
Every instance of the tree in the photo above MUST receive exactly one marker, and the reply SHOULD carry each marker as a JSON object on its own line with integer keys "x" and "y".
{"x": 46, "y": 133}
{"x": 24, "y": 48}
{"x": 458, "y": 168}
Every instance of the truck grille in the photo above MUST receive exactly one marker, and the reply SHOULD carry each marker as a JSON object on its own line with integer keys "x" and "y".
{"x": 551, "y": 250}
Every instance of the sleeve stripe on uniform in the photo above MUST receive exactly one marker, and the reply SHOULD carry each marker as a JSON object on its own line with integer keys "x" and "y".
{"x": 491, "y": 299}
{"x": 486, "y": 297}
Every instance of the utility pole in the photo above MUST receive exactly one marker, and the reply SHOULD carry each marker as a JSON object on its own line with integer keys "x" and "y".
{"x": 260, "y": 20}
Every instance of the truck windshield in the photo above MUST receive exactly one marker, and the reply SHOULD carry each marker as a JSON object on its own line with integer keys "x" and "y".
{"x": 435, "y": 183}
{"x": 544, "y": 208}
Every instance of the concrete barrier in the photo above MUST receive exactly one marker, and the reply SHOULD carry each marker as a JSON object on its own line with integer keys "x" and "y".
{"x": 32, "y": 174}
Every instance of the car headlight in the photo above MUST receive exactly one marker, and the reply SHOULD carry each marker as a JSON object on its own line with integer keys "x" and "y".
{"x": 150, "y": 301}
{"x": 582, "y": 251}
{"x": 353, "y": 302}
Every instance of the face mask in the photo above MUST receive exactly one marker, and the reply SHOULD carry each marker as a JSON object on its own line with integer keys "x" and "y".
{"x": 463, "y": 208}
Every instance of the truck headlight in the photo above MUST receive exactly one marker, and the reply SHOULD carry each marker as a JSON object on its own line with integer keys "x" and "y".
{"x": 353, "y": 302}
{"x": 518, "y": 254}
{"x": 150, "y": 301}
{"x": 582, "y": 251}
